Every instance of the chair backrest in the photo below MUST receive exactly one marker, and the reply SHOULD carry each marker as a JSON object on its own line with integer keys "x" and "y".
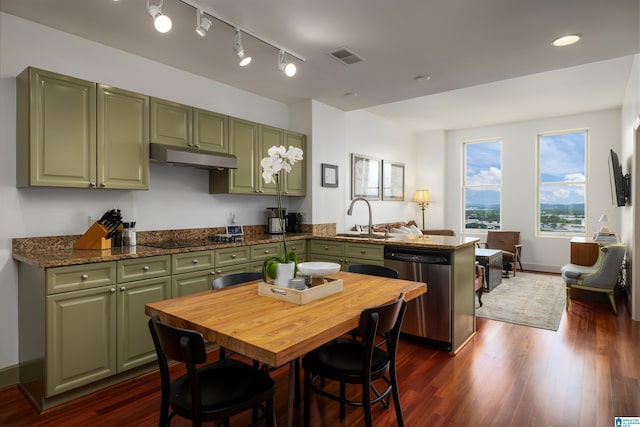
{"x": 385, "y": 320}
{"x": 439, "y": 232}
{"x": 235, "y": 279}
{"x": 374, "y": 270}
{"x": 182, "y": 345}
{"x": 608, "y": 266}
{"x": 503, "y": 240}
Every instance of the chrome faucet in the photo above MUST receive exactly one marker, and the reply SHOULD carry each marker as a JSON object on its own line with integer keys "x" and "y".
{"x": 350, "y": 211}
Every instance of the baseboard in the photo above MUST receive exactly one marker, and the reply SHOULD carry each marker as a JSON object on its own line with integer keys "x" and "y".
{"x": 9, "y": 376}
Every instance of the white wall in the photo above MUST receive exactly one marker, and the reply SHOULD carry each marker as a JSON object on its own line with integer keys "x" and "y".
{"x": 431, "y": 154}
{"x": 336, "y": 135}
{"x": 519, "y": 179}
{"x": 630, "y": 162}
{"x": 178, "y": 196}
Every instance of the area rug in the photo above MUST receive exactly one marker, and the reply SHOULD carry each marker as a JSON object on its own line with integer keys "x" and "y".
{"x": 529, "y": 299}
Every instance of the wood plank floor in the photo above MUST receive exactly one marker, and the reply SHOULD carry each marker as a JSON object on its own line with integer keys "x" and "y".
{"x": 508, "y": 375}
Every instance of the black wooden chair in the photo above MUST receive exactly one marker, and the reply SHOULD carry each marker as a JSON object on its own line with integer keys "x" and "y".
{"x": 213, "y": 392}
{"x": 360, "y": 362}
{"x": 374, "y": 270}
{"x": 236, "y": 279}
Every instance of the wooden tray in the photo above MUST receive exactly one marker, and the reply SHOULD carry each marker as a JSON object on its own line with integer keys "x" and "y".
{"x": 330, "y": 287}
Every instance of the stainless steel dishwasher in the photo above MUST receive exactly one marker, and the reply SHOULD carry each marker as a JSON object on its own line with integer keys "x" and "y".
{"x": 428, "y": 316}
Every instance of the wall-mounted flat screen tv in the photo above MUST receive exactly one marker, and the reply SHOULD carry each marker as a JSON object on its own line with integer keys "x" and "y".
{"x": 620, "y": 183}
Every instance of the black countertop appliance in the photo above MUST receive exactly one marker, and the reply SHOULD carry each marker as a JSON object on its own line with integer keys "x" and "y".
{"x": 294, "y": 219}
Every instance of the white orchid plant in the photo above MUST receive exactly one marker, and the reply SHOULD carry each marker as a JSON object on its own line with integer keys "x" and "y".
{"x": 279, "y": 159}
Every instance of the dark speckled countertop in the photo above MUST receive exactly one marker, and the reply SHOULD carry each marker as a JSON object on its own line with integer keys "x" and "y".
{"x": 58, "y": 251}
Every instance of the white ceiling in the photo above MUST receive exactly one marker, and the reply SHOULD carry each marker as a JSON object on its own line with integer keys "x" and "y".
{"x": 490, "y": 61}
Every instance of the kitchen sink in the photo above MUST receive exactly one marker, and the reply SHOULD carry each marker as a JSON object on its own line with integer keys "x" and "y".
{"x": 362, "y": 236}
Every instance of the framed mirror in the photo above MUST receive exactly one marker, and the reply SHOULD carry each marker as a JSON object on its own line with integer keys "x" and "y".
{"x": 392, "y": 180}
{"x": 365, "y": 177}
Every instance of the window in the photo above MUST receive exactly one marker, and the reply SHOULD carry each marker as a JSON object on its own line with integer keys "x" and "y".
{"x": 562, "y": 183}
{"x": 482, "y": 185}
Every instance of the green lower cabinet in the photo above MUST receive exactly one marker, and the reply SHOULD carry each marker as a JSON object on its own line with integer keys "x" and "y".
{"x": 191, "y": 283}
{"x": 134, "y": 343}
{"x": 346, "y": 253}
{"x": 81, "y": 338}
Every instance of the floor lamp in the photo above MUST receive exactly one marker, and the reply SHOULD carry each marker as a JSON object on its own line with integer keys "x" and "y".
{"x": 422, "y": 198}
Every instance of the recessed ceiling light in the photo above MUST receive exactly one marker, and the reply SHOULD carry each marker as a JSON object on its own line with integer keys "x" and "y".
{"x": 566, "y": 40}
{"x": 348, "y": 94}
{"x": 422, "y": 78}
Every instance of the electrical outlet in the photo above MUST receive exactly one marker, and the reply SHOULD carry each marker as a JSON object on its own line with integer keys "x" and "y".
{"x": 232, "y": 217}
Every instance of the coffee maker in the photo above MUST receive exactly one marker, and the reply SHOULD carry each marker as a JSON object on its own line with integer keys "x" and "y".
{"x": 294, "y": 219}
{"x": 273, "y": 220}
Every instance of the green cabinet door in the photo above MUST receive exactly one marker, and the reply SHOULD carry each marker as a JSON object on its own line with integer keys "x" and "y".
{"x": 295, "y": 182}
{"x": 269, "y": 137}
{"x": 210, "y": 131}
{"x": 123, "y": 139}
{"x": 243, "y": 143}
{"x": 134, "y": 343}
{"x": 191, "y": 283}
{"x": 80, "y": 338}
{"x": 171, "y": 123}
{"x": 56, "y": 130}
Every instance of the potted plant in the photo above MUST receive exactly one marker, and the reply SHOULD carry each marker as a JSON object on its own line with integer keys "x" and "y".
{"x": 279, "y": 159}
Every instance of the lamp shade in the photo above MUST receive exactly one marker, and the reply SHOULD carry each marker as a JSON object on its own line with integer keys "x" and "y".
{"x": 422, "y": 196}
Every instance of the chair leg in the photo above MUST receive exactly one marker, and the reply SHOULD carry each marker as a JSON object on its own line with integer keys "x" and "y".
{"x": 566, "y": 306}
{"x": 307, "y": 398}
{"x": 271, "y": 413}
{"x": 366, "y": 404}
{"x": 612, "y": 299}
{"x": 396, "y": 397}
{"x": 343, "y": 393}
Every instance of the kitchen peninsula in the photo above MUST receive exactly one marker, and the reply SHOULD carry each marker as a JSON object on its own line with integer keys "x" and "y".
{"x": 81, "y": 312}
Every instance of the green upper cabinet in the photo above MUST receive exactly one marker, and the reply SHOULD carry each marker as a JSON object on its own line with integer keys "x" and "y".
{"x": 123, "y": 139}
{"x": 56, "y": 130}
{"x": 210, "y": 131}
{"x": 295, "y": 182}
{"x": 75, "y": 133}
{"x": 269, "y": 136}
{"x": 180, "y": 125}
{"x": 243, "y": 143}
{"x": 250, "y": 143}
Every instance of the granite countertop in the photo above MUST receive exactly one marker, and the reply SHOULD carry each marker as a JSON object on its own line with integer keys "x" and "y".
{"x": 46, "y": 252}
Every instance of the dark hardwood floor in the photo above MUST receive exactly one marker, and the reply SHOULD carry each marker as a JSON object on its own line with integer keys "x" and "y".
{"x": 584, "y": 374}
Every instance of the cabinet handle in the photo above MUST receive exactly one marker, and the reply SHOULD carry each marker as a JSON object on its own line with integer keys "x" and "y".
{"x": 145, "y": 268}
{"x": 326, "y": 248}
{"x": 112, "y": 290}
{"x": 363, "y": 251}
{"x": 233, "y": 256}
{"x": 295, "y": 248}
{"x": 219, "y": 272}
{"x": 286, "y": 192}
{"x": 190, "y": 144}
{"x": 102, "y": 184}
{"x": 197, "y": 145}
{"x": 84, "y": 276}
{"x": 266, "y": 251}
{"x": 123, "y": 288}
{"x": 212, "y": 273}
{"x": 92, "y": 184}
{"x": 195, "y": 261}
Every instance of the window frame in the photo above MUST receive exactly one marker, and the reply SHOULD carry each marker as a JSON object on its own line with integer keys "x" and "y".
{"x": 540, "y": 185}
{"x": 465, "y": 186}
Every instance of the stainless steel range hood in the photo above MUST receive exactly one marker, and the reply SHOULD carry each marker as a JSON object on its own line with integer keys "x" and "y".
{"x": 186, "y": 157}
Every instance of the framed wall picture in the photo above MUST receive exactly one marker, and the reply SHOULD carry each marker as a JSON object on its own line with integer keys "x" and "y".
{"x": 392, "y": 180}
{"x": 365, "y": 177}
{"x": 329, "y": 175}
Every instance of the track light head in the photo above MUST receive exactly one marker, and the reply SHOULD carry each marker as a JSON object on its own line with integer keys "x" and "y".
{"x": 202, "y": 23}
{"x": 239, "y": 49}
{"x": 289, "y": 68}
{"x": 160, "y": 21}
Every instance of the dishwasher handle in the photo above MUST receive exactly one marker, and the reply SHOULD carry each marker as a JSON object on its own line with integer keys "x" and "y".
{"x": 417, "y": 257}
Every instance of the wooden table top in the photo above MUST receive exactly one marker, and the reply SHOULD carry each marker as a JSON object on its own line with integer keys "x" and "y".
{"x": 276, "y": 332}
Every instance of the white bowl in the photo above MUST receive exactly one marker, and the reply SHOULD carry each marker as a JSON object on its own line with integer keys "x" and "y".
{"x": 318, "y": 269}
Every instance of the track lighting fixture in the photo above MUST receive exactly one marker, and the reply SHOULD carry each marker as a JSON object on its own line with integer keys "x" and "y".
{"x": 239, "y": 50}
{"x": 160, "y": 21}
{"x": 288, "y": 68}
{"x": 202, "y": 23}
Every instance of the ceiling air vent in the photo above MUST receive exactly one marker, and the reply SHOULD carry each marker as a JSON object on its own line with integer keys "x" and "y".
{"x": 346, "y": 56}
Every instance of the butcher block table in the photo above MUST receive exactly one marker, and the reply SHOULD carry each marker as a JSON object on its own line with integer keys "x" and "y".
{"x": 277, "y": 332}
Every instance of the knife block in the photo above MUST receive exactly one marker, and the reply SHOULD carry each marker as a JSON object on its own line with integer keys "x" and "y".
{"x": 94, "y": 238}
